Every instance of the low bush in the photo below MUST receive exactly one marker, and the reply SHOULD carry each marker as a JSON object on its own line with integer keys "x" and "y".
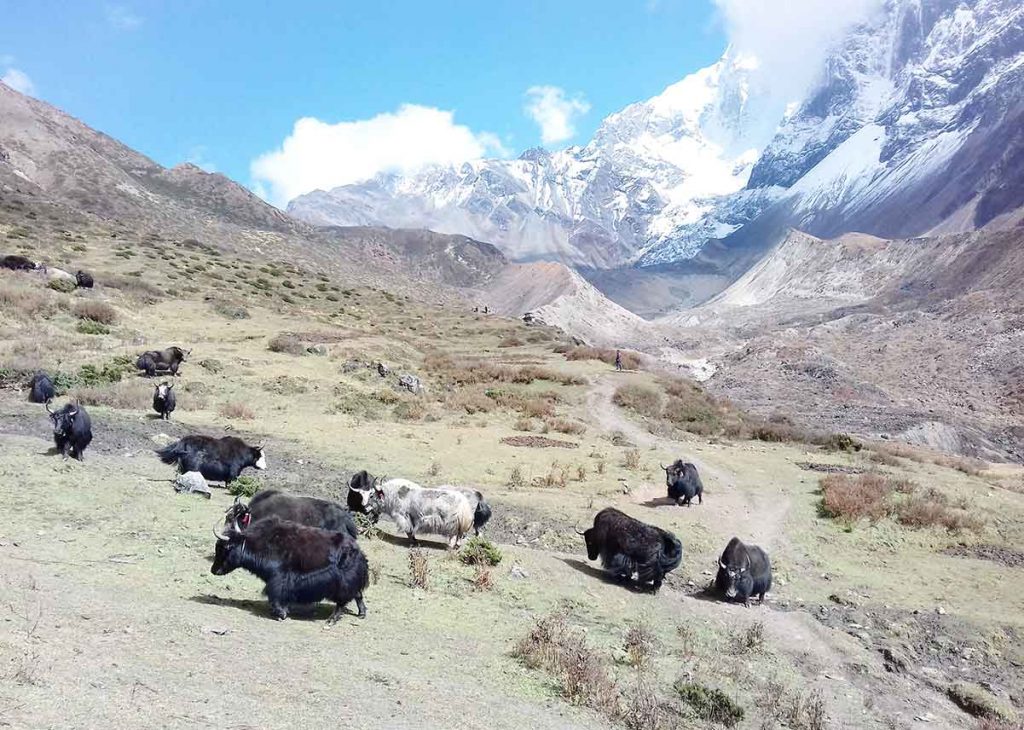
{"x": 419, "y": 569}
{"x": 236, "y": 410}
{"x": 480, "y": 551}
{"x": 88, "y": 327}
{"x": 924, "y": 510}
{"x": 630, "y": 360}
{"x": 849, "y": 497}
{"x": 641, "y": 399}
{"x": 64, "y": 286}
{"x": 710, "y": 704}
{"x": 286, "y": 343}
{"x": 96, "y": 311}
{"x": 111, "y": 371}
{"x": 244, "y": 486}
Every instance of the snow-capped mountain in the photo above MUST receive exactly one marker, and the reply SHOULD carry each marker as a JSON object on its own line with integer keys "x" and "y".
{"x": 916, "y": 125}
{"x": 650, "y": 168}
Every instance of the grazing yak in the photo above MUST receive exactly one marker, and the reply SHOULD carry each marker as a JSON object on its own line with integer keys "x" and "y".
{"x": 18, "y": 263}
{"x": 72, "y": 429}
{"x": 414, "y": 509}
{"x": 84, "y": 280}
{"x": 309, "y": 511}
{"x": 627, "y": 546}
{"x": 743, "y": 571}
{"x": 683, "y": 483}
{"x": 164, "y": 400}
{"x": 160, "y": 361}
{"x": 40, "y": 388}
{"x": 218, "y": 460}
{"x": 299, "y": 564}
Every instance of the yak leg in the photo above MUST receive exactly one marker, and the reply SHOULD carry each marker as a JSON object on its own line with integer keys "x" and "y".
{"x": 278, "y": 609}
{"x": 361, "y": 605}
{"x": 336, "y": 614}
{"x": 64, "y": 451}
{"x": 78, "y": 454}
{"x": 700, "y": 498}
{"x": 412, "y": 537}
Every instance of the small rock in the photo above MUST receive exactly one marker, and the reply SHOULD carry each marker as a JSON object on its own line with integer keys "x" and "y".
{"x": 161, "y": 439}
{"x": 192, "y": 482}
{"x": 690, "y": 583}
{"x": 217, "y": 630}
{"x": 517, "y": 573}
{"x": 940, "y": 610}
{"x": 705, "y": 572}
{"x": 894, "y": 661}
{"x": 317, "y": 349}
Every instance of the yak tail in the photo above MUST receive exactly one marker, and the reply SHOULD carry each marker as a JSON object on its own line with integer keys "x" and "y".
{"x": 463, "y": 518}
{"x": 671, "y": 552}
{"x": 482, "y": 514}
{"x": 171, "y": 453}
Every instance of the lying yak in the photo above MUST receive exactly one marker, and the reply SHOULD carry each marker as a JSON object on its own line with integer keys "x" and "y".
{"x": 84, "y": 280}
{"x": 683, "y": 483}
{"x": 164, "y": 400}
{"x": 72, "y": 430}
{"x": 627, "y": 546}
{"x": 414, "y": 509}
{"x": 160, "y": 361}
{"x": 218, "y": 460}
{"x": 40, "y": 388}
{"x": 743, "y": 571}
{"x": 299, "y": 564}
{"x": 15, "y": 262}
{"x": 309, "y": 511}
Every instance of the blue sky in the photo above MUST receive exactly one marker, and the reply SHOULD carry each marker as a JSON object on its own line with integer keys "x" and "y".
{"x": 222, "y": 82}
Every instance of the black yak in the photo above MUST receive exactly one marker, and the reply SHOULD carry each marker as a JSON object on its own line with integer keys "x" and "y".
{"x": 299, "y": 564}
{"x": 40, "y": 388}
{"x": 161, "y": 361}
{"x": 683, "y": 483}
{"x": 309, "y": 511}
{"x": 84, "y": 279}
{"x": 627, "y": 546}
{"x": 218, "y": 460}
{"x": 72, "y": 430}
{"x": 164, "y": 401}
{"x": 18, "y": 263}
{"x": 743, "y": 571}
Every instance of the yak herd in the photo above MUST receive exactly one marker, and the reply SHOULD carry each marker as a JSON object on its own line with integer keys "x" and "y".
{"x": 305, "y": 549}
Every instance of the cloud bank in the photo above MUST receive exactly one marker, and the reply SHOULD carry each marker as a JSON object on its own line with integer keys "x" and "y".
{"x": 553, "y": 112}
{"x": 19, "y": 81}
{"x": 790, "y": 38}
{"x": 319, "y": 155}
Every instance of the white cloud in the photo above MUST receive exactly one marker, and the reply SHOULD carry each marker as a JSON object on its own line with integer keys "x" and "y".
{"x": 19, "y": 81}
{"x": 790, "y": 38}
{"x": 319, "y": 155}
{"x": 553, "y": 112}
{"x": 121, "y": 17}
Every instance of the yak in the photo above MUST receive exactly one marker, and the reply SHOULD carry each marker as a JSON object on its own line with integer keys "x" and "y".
{"x": 309, "y": 511}
{"x": 40, "y": 388}
{"x": 164, "y": 401}
{"x": 18, "y": 263}
{"x": 683, "y": 483}
{"x": 218, "y": 460}
{"x": 168, "y": 360}
{"x": 84, "y": 280}
{"x": 72, "y": 429}
{"x": 743, "y": 571}
{"x": 299, "y": 564}
{"x": 627, "y": 546}
{"x": 414, "y": 509}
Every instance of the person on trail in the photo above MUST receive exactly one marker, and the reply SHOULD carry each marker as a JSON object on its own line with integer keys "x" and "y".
{"x": 618, "y": 360}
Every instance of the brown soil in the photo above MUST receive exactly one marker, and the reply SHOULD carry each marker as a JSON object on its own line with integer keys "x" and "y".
{"x": 538, "y": 442}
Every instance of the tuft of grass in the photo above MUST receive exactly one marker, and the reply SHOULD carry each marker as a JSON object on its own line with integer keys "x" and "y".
{"x": 88, "y": 327}
{"x": 480, "y": 551}
{"x": 710, "y": 704}
{"x": 931, "y": 509}
{"x": 631, "y": 459}
{"x": 237, "y": 410}
{"x": 849, "y": 498}
{"x": 419, "y": 569}
{"x": 104, "y": 374}
{"x": 244, "y": 486}
{"x": 749, "y": 640}
{"x": 64, "y": 286}
{"x": 516, "y": 480}
{"x": 639, "y": 644}
{"x": 640, "y": 399}
{"x": 484, "y": 578}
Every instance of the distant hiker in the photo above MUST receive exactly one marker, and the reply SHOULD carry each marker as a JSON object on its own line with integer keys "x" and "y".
{"x": 618, "y": 360}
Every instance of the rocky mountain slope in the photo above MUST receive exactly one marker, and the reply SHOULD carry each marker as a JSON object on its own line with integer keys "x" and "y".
{"x": 916, "y": 125}
{"x": 48, "y": 158}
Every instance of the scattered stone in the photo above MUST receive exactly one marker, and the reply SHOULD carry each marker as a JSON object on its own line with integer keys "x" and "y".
{"x": 410, "y": 382}
{"x": 211, "y": 365}
{"x": 192, "y": 482}
{"x": 162, "y": 439}
{"x": 894, "y": 661}
{"x": 940, "y": 610}
{"x": 383, "y": 370}
{"x": 317, "y": 349}
{"x": 517, "y": 573}
{"x": 351, "y": 366}
{"x": 538, "y": 442}
{"x": 217, "y": 630}
{"x": 828, "y": 468}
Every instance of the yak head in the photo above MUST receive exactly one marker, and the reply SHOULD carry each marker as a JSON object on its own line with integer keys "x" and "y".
{"x": 238, "y": 513}
{"x": 63, "y": 420}
{"x": 259, "y": 457}
{"x": 163, "y": 390}
{"x": 364, "y": 494}
{"x": 735, "y": 568}
{"x": 228, "y": 552}
{"x": 590, "y": 538}
{"x": 672, "y": 472}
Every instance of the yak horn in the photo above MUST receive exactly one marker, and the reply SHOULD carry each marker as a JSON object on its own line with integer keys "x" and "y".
{"x": 663, "y": 467}
{"x": 219, "y": 535}
{"x": 576, "y": 527}
{"x": 48, "y": 409}
{"x": 722, "y": 565}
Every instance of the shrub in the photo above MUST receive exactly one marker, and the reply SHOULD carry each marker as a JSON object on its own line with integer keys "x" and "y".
{"x": 516, "y": 480}
{"x": 237, "y": 410}
{"x": 639, "y": 644}
{"x": 480, "y": 551}
{"x": 419, "y": 570}
{"x": 125, "y": 395}
{"x": 410, "y": 410}
{"x": 96, "y": 311}
{"x": 524, "y": 424}
{"x": 564, "y": 425}
{"x": 471, "y": 403}
{"x": 286, "y": 343}
{"x": 27, "y": 303}
{"x": 88, "y": 327}
{"x": 484, "y": 578}
{"x": 631, "y": 459}
{"x": 929, "y": 509}
{"x": 630, "y": 360}
{"x": 231, "y": 310}
{"x": 749, "y": 640}
{"x": 511, "y": 341}
{"x": 710, "y": 704}
{"x": 842, "y": 442}
{"x": 244, "y": 486}
{"x": 64, "y": 286}
{"x": 366, "y": 525}
{"x": 848, "y": 497}
{"x": 638, "y": 398}
{"x": 106, "y": 373}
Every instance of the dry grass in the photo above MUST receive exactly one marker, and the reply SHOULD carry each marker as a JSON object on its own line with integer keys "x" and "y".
{"x": 631, "y": 459}
{"x": 483, "y": 580}
{"x": 516, "y": 479}
{"x": 639, "y": 644}
{"x": 564, "y": 425}
{"x": 27, "y": 303}
{"x": 133, "y": 394}
{"x": 131, "y": 285}
{"x": 236, "y": 410}
{"x": 886, "y": 451}
{"x": 419, "y": 569}
{"x": 931, "y": 509}
{"x": 556, "y": 476}
{"x": 97, "y": 312}
{"x": 849, "y": 498}
{"x": 630, "y": 360}
{"x": 639, "y": 398}
{"x": 453, "y": 373}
